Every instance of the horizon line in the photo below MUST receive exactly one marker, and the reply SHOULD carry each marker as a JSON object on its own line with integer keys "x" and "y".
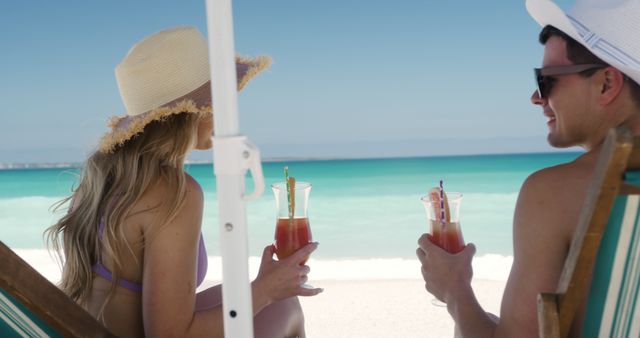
{"x": 276, "y": 159}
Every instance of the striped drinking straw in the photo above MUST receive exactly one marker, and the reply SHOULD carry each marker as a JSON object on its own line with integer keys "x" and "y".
{"x": 442, "y": 212}
{"x": 288, "y": 187}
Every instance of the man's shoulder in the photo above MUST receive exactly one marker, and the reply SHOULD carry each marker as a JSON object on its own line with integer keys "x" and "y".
{"x": 563, "y": 176}
{"x": 553, "y": 196}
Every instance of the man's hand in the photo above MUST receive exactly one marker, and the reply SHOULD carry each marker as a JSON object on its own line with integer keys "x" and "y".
{"x": 448, "y": 277}
{"x": 444, "y": 273}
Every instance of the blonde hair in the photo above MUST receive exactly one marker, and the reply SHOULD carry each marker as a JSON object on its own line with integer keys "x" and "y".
{"x": 110, "y": 185}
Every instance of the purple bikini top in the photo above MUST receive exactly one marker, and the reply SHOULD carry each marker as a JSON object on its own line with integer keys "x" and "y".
{"x": 101, "y": 270}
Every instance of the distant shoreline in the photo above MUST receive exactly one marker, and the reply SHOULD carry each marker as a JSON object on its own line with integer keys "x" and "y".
{"x": 61, "y": 165}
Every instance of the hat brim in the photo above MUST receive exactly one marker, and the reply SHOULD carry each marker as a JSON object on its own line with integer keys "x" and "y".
{"x": 126, "y": 127}
{"x": 546, "y": 12}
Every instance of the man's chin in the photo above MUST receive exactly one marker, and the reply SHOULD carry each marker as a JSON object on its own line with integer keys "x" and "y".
{"x": 558, "y": 142}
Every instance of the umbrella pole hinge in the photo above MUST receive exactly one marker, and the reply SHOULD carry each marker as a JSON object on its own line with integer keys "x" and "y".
{"x": 234, "y": 155}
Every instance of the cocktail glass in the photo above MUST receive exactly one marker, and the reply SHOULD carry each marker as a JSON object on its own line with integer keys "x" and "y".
{"x": 447, "y": 234}
{"x": 292, "y": 225}
{"x": 445, "y": 231}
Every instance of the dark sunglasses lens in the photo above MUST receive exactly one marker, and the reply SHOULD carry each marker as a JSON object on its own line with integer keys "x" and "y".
{"x": 544, "y": 83}
{"x": 540, "y": 82}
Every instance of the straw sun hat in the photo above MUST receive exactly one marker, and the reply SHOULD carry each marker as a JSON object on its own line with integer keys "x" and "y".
{"x": 608, "y": 28}
{"x": 167, "y": 73}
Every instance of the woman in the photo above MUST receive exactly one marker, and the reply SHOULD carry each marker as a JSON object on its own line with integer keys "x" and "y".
{"x": 131, "y": 239}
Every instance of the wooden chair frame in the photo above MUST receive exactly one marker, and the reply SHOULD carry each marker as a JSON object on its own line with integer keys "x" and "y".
{"x": 44, "y": 299}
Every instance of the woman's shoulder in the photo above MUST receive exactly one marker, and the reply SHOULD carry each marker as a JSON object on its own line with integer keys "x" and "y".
{"x": 192, "y": 184}
{"x": 194, "y": 191}
{"x": 164, "y": 187}
{"x": 162, "y": 191}
{"x": 158, "y": 200}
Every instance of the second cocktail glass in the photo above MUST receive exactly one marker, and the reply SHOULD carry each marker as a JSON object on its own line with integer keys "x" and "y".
{"x": 443, "y": 215}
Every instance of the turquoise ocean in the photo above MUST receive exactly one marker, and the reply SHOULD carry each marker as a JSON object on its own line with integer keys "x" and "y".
{"x": 363, "y": 210}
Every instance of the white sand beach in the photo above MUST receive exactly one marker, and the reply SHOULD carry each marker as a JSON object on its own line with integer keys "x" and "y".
{"x": 361, "y": 298}
{"x": 385, "y": 308}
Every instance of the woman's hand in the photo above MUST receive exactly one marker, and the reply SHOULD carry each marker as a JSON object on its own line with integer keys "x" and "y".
{"x": 282, "y": 279}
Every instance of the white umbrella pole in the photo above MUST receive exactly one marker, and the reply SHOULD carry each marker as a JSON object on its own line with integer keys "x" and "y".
{"x": 233, "y": 156}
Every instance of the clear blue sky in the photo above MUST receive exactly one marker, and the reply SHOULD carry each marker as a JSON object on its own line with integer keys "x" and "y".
{"x": 349, "y": 79}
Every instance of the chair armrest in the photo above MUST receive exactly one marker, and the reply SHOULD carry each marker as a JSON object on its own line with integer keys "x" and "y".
{"x": 548, "y": 318}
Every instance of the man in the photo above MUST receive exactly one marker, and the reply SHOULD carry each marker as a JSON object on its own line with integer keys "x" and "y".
{"x": 588, "y": 84}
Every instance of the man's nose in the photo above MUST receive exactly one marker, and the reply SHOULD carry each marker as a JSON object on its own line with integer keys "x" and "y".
{"x": 535, "y": 98}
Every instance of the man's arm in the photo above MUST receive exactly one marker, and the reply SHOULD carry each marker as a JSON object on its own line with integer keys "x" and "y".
{"x": 546, "y": 213}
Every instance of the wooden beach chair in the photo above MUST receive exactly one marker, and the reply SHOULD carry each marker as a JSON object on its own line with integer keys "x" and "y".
{"x": 606, "y": 244}
{"x": 31, "y": 306}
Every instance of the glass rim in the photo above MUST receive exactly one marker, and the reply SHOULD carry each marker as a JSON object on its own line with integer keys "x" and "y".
{"x": 451, "y": 196}
{"x": 282, "y": 185}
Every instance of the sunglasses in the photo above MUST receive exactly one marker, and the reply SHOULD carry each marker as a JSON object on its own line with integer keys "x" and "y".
{"x": 545, "y": 77}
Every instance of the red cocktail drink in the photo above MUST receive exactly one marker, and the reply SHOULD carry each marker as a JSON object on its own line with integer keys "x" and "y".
{"x": 449, "y": 238}
{"x": 291, "y": 235}
{"x": 443, "y": 214}
{"x": 292, "y": 222}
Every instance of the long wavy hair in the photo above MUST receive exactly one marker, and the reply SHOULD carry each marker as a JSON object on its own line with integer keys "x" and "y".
{"x": 110, "y": 185}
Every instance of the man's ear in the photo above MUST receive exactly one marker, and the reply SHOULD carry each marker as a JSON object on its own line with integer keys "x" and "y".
{"x": 611, "y": 85}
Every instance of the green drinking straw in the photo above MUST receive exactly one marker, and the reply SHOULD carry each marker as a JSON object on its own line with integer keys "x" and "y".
{"x": 286, "y": 179}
